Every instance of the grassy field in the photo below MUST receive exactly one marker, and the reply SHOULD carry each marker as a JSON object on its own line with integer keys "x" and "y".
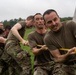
{"x": 26, "y": 47}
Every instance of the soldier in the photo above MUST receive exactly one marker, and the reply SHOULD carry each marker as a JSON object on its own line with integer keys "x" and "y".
{"x": 29, "y": 21}
{"x": 1, "y": 45}
{"x": 17, "y": 58}
{"x": 43, "y": 63}
{"x": 61, "y": 37}
{"x": 1, "y": 35}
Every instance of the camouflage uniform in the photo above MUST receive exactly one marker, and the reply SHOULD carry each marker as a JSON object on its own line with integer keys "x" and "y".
{"x": 64, "y": 69}
{"x": 43, "y": 64}
{"x": 18, "y": 59}
{"x": 56, "y": 41}
{"x": 1, "y": 52}
{"x": 44, "y": 69}
{"x": 3, "y": 64}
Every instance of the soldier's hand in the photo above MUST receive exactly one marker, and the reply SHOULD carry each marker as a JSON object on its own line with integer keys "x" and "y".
{"x": 44, "y": 47}
{"x": 72, "y": 50}
{"x": 25, "y": 43}
{"x": 2, "y": 40}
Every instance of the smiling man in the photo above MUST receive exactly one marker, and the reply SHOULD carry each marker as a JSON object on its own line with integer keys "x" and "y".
{"x": 61, "y": 35}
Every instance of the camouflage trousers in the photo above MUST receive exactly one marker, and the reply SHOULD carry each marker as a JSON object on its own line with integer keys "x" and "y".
{"x": 56, "y": 69}
{"x": 3, "y": 64}
{"x": 62, "y": 69}
{"x": 44, "y": 69}
{"x": 17, "y": 58}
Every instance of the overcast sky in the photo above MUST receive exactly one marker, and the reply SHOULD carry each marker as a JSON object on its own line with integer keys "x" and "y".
{"x": 11, "y": 9}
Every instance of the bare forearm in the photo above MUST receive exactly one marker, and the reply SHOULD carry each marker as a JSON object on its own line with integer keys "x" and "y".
{"x": 62, "y": 58}
{"x": 37, "y": 51}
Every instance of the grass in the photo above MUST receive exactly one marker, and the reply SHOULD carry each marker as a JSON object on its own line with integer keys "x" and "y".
{"x": 28, "y": 30}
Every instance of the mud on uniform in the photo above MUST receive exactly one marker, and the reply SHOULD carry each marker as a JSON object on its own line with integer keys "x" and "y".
{"x": 16, "y": 57}
{"x": 43, "y": 63}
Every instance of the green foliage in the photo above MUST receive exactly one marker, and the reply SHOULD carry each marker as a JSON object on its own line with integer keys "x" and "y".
{"x": 27, "y": 48}
{"x": 65, "y": 19}
{"x": 28, "y": 30}
{"x": 11, "y": 22}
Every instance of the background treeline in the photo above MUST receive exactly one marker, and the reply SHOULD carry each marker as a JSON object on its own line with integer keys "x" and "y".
{"x": 11, "y": 22}
{"x": 14, "y": 21}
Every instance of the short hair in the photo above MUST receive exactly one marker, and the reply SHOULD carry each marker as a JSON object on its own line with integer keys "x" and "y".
{"x": 30, "y": 17}
{"x": 1, "y": 23}
{"x": 37, "y": 14}
{"x": 49, "y": 11}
